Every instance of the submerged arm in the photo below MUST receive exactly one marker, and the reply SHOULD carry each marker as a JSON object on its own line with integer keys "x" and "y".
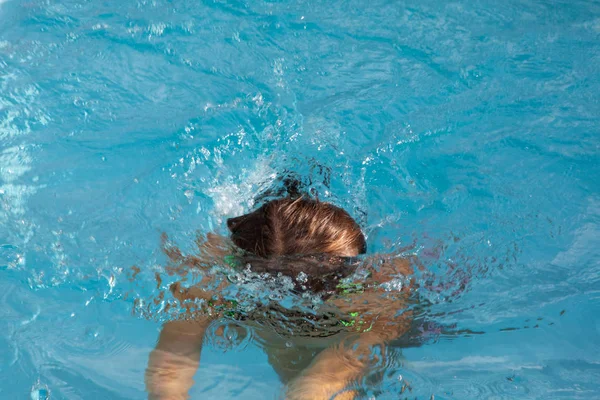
{"x": 176, "y": 357}
{"x": 174, "y": 361}
{"x": 381, "y": 311}
{"x": 377, "y": 315}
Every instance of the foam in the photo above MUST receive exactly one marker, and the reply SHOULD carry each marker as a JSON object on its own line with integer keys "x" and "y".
{"x": 233, "y": 199}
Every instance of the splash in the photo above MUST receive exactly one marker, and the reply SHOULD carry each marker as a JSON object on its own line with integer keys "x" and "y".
{"x": 280, "y": 294}
{"x": 232, "y": 198}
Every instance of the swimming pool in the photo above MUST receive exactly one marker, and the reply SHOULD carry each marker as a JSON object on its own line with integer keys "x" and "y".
{"x": 465, "y": 131}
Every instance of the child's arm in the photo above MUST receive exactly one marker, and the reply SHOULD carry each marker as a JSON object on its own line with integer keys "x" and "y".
{"x": 389, "y": 267}
{"x": 174, "y": 361}
{"x": 335, "y": 369}
{"x": 330, "y": 375}
{"x": 380, "y": 312}
{"x": 377, "y": 317}
{"x": 176, "y": 357}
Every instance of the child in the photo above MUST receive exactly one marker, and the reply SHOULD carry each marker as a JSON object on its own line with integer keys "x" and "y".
{"x": 292, "y": 237}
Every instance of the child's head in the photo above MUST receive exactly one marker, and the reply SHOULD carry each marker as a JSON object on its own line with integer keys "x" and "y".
{"x": 297, "y": 226}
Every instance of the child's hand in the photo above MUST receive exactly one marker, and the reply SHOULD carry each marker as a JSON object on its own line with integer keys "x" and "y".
{"x": 213, "y": 246}
{"x": 390, "y": 267}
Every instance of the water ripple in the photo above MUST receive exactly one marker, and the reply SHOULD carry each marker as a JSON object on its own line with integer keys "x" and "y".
{"x": 463, "y": 135}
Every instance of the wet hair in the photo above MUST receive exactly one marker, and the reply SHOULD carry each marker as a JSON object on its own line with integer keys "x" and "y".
{"x": 300, "y": 226}
{"x": 293, "y": 236}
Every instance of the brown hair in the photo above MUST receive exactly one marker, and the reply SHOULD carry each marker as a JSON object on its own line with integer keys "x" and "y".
{"x": 299, "y": 226}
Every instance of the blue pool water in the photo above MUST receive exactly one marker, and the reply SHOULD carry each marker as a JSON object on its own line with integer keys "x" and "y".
{"x": 465, "y": 131}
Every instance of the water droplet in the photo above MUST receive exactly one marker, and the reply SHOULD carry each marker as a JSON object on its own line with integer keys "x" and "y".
{"x": 302, "y": 277}
{"x": 40, "y": 392}
{"x": 111, "y": 285}
{"x": 92, "y": 333}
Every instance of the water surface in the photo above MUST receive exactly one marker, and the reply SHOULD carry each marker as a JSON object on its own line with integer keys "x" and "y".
{"x": 465, "y": 131}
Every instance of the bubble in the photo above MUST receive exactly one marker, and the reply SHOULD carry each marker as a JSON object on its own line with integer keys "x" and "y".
{"x": 234, "y": 278}
{"x": 302, "y": 277}
{"x": 395, "y": 285}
